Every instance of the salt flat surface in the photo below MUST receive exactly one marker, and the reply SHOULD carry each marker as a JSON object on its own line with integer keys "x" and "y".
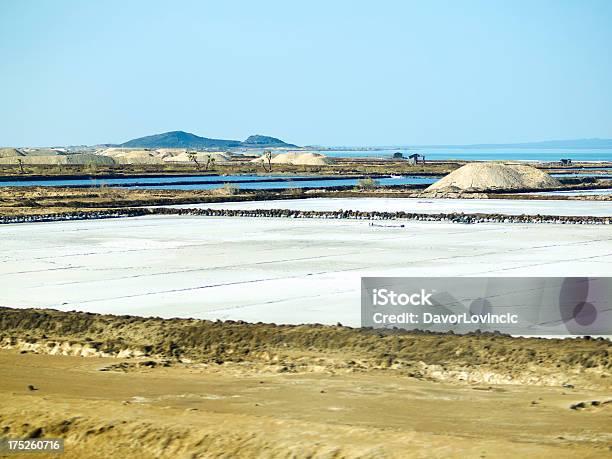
{"x": 267, "y": 269}
{"x": 429, "y": 206}
{"x": 577, "y": 192}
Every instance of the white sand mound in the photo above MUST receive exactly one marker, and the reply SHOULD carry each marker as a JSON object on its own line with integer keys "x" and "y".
{"x": 132, "y": 156}
{"x": 180, "y": 158}
{"x": 36, "y": 159}
{"x": 88, "y": 159}
{"x": 10, "y": 153}
{"x": 173, "y": 151}
{"x": 168, "y": 153}
{"x": 116, "y": 151}
{"x": 40, "y": 151}
{"x": 79, "y": 158}
{"x": 494, "y": 176}
{"x": 201, "y": 157}
{"x": 138, "y": 157}
{"x": 296, "y": 158}
{"x": 163, "y": 155}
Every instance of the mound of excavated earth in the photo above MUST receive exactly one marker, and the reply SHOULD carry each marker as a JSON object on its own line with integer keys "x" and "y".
{"x": 173, "y": 155}
{"x": 85, "y": 159}
{"x": 10, "y": 153}
{"x": 297, "y": 158}
{"x": 494, "y": 177}
{"x": 200, "y": 157}
{"x": 133, "y": 156}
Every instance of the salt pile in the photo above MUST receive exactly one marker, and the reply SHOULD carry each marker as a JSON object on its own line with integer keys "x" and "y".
{"x": 10, "y": 153}
{"x": 201, "y": 157}
{"x": 83, "y": 159}
{"x": 296, "y": 158}
{"x": 494, "y": 176}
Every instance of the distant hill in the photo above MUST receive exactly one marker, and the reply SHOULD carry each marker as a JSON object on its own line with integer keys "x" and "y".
{"x": 181, "y": 139}
{"x": 569, "y": 144}
{"x": 265, "y": 141}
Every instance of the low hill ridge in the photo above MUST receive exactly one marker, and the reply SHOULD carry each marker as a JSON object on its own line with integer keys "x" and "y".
{"x": 259, "y": 140}
{"x": 182, "y": 139}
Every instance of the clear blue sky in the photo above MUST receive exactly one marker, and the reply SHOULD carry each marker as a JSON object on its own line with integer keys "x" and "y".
{"x": 318, "y": 72}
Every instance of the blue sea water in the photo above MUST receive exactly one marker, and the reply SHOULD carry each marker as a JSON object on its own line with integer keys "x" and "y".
{"x": 479, "y": 154}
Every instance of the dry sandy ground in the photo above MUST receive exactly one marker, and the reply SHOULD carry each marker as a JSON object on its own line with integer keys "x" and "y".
{"x": 214, "y": 411}
{"x": 196, "y": 388}
{"x": 50, "y": 200}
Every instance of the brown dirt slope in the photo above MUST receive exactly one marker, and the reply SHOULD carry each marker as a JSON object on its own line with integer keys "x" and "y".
{"x": 483, "y": 357}
{"x": 185, "y": 388}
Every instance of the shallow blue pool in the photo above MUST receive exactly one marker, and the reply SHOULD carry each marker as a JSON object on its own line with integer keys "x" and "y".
{"x": 206, "y": 182}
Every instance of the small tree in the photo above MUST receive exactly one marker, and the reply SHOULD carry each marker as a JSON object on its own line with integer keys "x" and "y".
{"x": 194, "y": 157}
{"x": 210, "y": 162}
{"x": 268, "y": 159}
{"x": 20, "y": 162}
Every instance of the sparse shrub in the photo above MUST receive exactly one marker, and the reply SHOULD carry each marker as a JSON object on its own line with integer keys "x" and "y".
{"x": 367, "y": 183}
{"x": 103, "y": 190}
{"x": 228, "y": 189}
{"x": 90, "y": 167}
{"x": 294, "y": 192}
